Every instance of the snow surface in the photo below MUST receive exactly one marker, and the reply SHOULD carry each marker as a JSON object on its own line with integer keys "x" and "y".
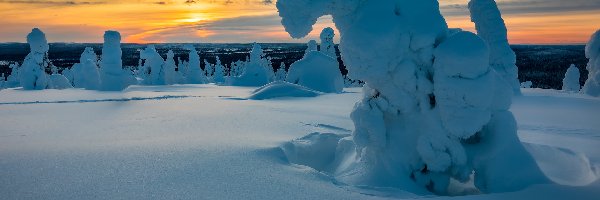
{"x": 205, "y": 141}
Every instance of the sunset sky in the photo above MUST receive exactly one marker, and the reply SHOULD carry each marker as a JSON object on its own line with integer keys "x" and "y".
{"x": 212, "y": 21}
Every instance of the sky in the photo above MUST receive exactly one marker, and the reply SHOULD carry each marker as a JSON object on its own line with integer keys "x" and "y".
{"x": 244, "y": 21}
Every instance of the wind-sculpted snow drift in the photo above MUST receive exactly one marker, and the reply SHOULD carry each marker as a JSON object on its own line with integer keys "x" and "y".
{"x": 435, "y": 109}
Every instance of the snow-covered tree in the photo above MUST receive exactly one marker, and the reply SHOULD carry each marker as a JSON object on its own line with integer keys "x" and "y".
{"x": 592, "y": 52}
{"x": 280, "y": 74}
{"x": 236, "y": 68}
{"x": 257, "y": 71}
{"x": 316, "y": 71}
{"x": 195, "y": 74}
{"x": 209, "y": 69}
{"x": 85, "y": 74}
{"x": 32, "y": 73}
{"x": 169, "y": 68}
{"x": 526, "y": 84}
{"x": 13, "y": 79}
{"x": 218, "y": 76}
{"x": 257, "y": 56}
{"x": 491, "y": 28}
{"x": 327, "y": 45}
{"x": 310, "y": 46}
{"x": 432, "y": 111}
{"x": 571, "y": 80}
{"x": 2, "y": 82}
{"x": 155, "y": 63}
{"x": 113, "y": 76}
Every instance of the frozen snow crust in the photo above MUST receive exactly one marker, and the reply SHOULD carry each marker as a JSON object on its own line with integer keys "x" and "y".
{"x": 435, "y": 106}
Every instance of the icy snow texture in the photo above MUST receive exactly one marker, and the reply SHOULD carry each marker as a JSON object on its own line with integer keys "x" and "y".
{"x": 195, "y": 74}
{"x": 592, "y": 52}
{"x": 85, "y": 74}
{"x": 571, "y": 80}
{"x": 327, "y": 45}
{"x": 419, "y": 121}
{"x": 113, "y": 76}
{"x": 280, "y": 89}
{"x": 32, "y": 74}
{"x": 490, "y": 26}
{"x": 317, "y": 71}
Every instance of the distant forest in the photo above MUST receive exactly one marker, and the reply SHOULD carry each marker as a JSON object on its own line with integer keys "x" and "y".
{"x": 544, "y": 65}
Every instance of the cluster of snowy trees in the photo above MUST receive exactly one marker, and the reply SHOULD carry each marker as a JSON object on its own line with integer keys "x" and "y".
{"x": 318, "y": 70}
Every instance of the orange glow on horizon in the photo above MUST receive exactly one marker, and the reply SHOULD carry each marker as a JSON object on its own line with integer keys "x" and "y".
{"x": 145, "y": 21}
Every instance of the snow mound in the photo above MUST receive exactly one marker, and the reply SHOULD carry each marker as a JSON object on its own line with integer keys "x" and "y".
{"x": 563, "y": 166}
{"x": 282, "y": 89}
{"x": 317, "y": 71}
{"x": 592, "y": 52}
{"x": 315, "y": 150}
{"x": 58, "y": 81}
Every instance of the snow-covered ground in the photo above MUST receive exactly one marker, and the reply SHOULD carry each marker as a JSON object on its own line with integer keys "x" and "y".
{"x": 210, "y": 142}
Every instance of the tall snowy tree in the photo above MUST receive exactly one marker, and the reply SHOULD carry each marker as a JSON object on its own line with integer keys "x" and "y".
{"x": 432, "y": 111}
{"x": 32, "y": 73}
{"x": 155, "y": 63}
{"x": 327, "y": 45}
{"x": 113, "y": 76}
{"x": 571, "y": 80}
{"x": 491, "y": 28}
{"x": 195, "y": 74}
{"x": 592, "y": 52}
{"x": 218, "y": 76}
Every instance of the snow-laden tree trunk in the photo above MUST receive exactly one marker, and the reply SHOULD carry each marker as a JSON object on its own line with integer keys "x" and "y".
{"x": 491, "y": 28}
{"x": 433, "y": 108}
{"x": 592, "y": 52}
